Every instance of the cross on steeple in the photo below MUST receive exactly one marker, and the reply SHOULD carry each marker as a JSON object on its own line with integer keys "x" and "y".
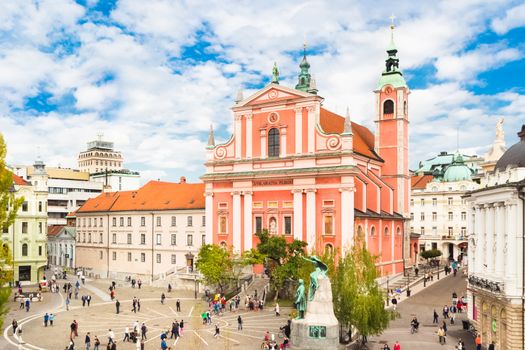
{"x": 392, "y": 18}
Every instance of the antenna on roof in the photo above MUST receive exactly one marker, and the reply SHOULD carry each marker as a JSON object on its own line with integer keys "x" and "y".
{"x": 100, "y": 135}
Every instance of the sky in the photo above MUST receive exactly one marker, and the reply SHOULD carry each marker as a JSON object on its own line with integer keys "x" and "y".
{"x": 151, "y": 76}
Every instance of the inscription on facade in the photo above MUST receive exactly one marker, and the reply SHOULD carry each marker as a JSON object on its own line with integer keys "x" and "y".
{"x": 272, "y": 182}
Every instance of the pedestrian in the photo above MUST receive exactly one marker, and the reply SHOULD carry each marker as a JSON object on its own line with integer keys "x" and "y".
{"x": 394, "y": 302}
{"x": 178, "y": 305}
{"x": 181, "y": 327}
{"x": 114, "y": 346}
{"x": 46, "y": 319}
{"x": 478, "y": 342}
{"x": 169, "y": 288}
{"x": 139, "y": 283}
{"x": 96, "y": 343}
{"x": 67, "y": 304}
{"x": 239, "y": 323}
{"x": 386, "y": 347}
{"x": 143, "y": 331}
{"x": 111, "y": 336}
{"x": 277, "y": 310}
{"x": 436, "y": 316}
{"x": 162, "y": 298}
{"x": 492, "y": 346}
{"x": 444, "y": 326}
{"x": 88, "y": 299}
{"x": 87, "y": 341}
{"x": 83, "y": 300}
{"x": 217, "y": 331}
{"x": 138, "y": 305}
{"x": 452, "y": 318}
{"x": 14, "y": 324}
{"x": 441, "y": 335}
{"x": 163, "y": 344}
{"x": 117, "y": 306}
{"x": 51, "y": 319}
{"x": 28, "y": 304}
{"x": 126, "y": 334}
{"x": 461, "y": 345}
{"x": 397, "y": 346}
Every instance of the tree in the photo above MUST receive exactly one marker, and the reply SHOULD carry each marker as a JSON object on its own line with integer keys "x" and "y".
{"x": 358, "y": 300}
{"x": 430, "y": 254}
{"x": 9, "y": 208}
{"x": 216, "y": 264}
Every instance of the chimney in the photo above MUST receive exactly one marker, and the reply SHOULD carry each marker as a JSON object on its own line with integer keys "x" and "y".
{"x": 182, "y": 180}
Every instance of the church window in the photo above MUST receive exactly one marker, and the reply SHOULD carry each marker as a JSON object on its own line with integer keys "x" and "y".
{"x": 258, "y": 224}
{"x": 398, "y": 231}
{"x": 372, "y": 231}
{"x": 328, "y": 225}
{"x": 273, "y": 143}
{"x": 386, "y": 231}
{"x": 388, "y": 107}
{"x": 24, "y": 249}
{"x": 287, "y": 225}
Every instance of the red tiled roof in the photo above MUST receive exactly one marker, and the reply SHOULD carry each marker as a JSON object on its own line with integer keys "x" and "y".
{"x": 54, "y": 230}
{"x": 420, "y": 181}
{"x": 155, "y": 195}
{"x": 363, "y": 139}
{"x": 71, "y": 214}
{"x": 19, "y": 181}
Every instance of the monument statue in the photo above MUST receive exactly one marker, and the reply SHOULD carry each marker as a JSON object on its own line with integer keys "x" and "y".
{"x": 273, "y": 226}
{"x": 500, "y": 134}
{"x": 320, "y": 270}
{"x": 300, "y": 300}
{"x": 275, "y": 74}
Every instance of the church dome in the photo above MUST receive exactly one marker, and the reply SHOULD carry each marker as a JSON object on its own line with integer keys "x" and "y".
{"x": 515, "y": 155}
{"x": 457, "y": 171}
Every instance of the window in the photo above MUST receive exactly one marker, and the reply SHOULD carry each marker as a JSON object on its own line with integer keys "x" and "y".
{"x": 203, "y": 221}
{"x": 24, "y": 249}
{"x": 273, "y": 143}
{"x": 142, "y": 257}
{"x": 129, "y": 238}
{"x": 388, "y": 107}
{"x": 189, "y": 240}
{"x": 24, "y": 227}
{"x": 372, "y": 231}
{"x": 24, "y": 206}
{"x": 5, "y": 229}
{"x": 101, "y": 254}
{"x": 450, "y": 201}
{"x": 89, "y": 237}
{"x": 142, "y": 238}
{"x": 173, "y": 221}
{"x": 190, "y": 221}
{"x": 159, "y": 221}
{"x": 173, "y": 259}
{"x": 434, "y": 246}
{"x": 412, "y": 202}
{"x": 142, "y": 221}
{"x": 114, "y": 222}
{"x": 223, "y": 224}
{"x": 101, "y": 225}
{"x": 114, "y": 238}
{"x": 422, "y": 201}
{"x": 422, "y": 230}
{"x": 129, "y": 256}
{"x": 84, "y": 222}
{"x": 129, "y": 220}
{"x": 203, "y": 239}
{"x": 159, "y": 239}
{"x": 258, "y": 224}
{"x": 39, "y": 206}
{"x": 40, "y": 227}
{"x": 434, "y": 216}
{"x": 398, "y": 231}
{"x": 463, "y": 231}
{"x": 463, "y": 216}
{"x": 386, "y": 231}
{"x": 89, "y": 222}
{"x": 434, "y": 202}
{"x": 158, "y": 259}
{"x": 39, "y": 250}
{"x": 114, "y": 255}
{"x": 84, "y": 237}
{"x": 434, "y": 230}
{"x": 422, "y": 216}
{"x": 450, "y": 231}
{"x": 412, "y": 216}
{"x": 287, "y": 225}
{"x": 328, "y": 225}
{"x": 121, "y": 221}
{"x": 100, "y": 239}
{"x": 450, "y": 216}
{"x": 94, "y": 222}
{"x": 173, "y": 239}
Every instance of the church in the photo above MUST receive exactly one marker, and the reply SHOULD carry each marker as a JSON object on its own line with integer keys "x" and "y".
{"x": 304, "y": 172}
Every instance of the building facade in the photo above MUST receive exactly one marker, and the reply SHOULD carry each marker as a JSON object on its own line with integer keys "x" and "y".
{"x": 61, "y": 243}
{"x": 118, "y": 180}
{"x": 27, "y": 236}
{"x": 145, "y": 233}
{"x": 438, "y": 211}
{"x": 496, "y": 259}
{"x": 99, "y": 157}
{"x": 301, "y": 171}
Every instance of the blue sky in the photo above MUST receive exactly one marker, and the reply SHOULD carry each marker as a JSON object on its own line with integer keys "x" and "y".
{"x": 152, "y": 75}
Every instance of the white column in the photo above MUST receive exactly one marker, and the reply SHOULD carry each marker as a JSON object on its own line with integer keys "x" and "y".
{"x": 249, "y": 136}
{"x": 311, "y": 129}
{"x": 263, "y": 143}
{"x": 238, "y": 136}
{"x": 500, "y": 240}
{"x": 310, "y": 218}
{"x": 479, "y": 233}
{"x": 489, "y": 229}
{"x": 283, "y": 142}
{"x": 236, "y": 221}
{"x": 347, "y": 218}
{"x": 513, "y": 247}
{"x": 248, "y": 228}
{"x": 298, "y": 214}
{"x": 209, "y": 218}
{"x": 299, "y": 130}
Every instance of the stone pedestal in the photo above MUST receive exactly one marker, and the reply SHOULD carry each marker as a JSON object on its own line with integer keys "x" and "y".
{"x": 319, "y": 329}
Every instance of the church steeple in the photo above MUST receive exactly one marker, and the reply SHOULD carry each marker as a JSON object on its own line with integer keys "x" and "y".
{"x": 392, "y": 75}
{"x": 304, "y": 76}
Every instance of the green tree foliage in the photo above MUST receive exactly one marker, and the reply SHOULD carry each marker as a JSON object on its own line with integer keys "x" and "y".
{"x": 282, "y": 259}
{"x": 358, "y": 300}
{"x": 216, "y": 264}
{"x": 430, "y": 254}
{"x": 9, "y": 206}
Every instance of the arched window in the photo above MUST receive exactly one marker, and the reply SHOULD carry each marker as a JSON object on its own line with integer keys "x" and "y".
{"x": 388, "y": 107}
{"x": 273, "y": 143}
{"x": 328, "y": 249}
{"x": 372, "y": 231}
{"x": 359, "y": 231}
{"x": 405, "y": 108}
{"x": 24, "y": 249}
{"x": 398, "y": 231}
{"x": 386, "y": 231}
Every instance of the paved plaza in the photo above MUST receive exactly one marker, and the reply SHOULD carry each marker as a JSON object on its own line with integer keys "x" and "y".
{"x": 101, "y": 316}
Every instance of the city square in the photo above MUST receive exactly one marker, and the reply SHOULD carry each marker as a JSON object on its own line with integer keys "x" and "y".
{"x": 268, "y": 175}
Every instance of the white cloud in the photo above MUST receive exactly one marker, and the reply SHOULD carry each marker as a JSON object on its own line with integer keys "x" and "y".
{"x": 514, "y": 18}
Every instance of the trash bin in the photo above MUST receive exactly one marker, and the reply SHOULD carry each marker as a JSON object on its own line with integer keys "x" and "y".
{"x": 466, "y": 325}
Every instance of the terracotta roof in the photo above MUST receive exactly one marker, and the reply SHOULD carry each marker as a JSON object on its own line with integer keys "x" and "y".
{"x": 72, "y": 214}
{"x": 54, "y": 230}
{"x": 363, "y": 138}
{"x": 421, "y": 181}
{"x": 155, "y": 195}
{"x": 19, "y": 181}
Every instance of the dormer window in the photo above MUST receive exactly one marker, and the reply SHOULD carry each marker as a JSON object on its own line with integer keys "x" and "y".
{"x": 273, "y": 143}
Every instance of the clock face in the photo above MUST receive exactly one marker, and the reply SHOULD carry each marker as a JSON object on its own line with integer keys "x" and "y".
{"x": 388, "y": 90}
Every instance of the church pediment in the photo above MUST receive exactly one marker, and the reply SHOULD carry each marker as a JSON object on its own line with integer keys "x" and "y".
{"x": 273, "y": 92}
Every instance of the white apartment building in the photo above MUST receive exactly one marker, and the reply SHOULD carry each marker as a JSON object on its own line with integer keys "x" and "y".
{"x": 118, "y": 180}
{"x": 61, "y": 243}
{"x": 145, "y": 233}
{"x": 438, "y": 212}
{"x": 496, "y": 282}
{"x": 99, "y": 157}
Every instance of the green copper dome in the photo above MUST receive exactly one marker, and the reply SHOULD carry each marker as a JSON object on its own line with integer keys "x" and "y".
{"x": 457, "y": 171}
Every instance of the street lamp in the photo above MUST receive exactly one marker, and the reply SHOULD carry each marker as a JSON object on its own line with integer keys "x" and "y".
{"x": 438, "y": 269}
{"x": 387, "y": 291}
{"x": 195, "y": 286}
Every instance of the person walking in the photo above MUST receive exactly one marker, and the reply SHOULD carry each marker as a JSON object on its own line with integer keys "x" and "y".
{"x": 239, "y": 323}
{"x": 51, "y": 319}
{"x": 87, "y": 341}
{"x": 178, "y": 305}
{"x": 162, "y": 298}
{"x": 436, "y": 317}
{"x": 46, "y": 319}
{"x": 181, "y": 327}
{"x": 28, "y": 304}
{"x": 478, "y": 342}
{"x": 126, "y": 334}
{"x": 397, "y": 346}
{"x": 394, "y": 303}
{"x": 88, "y": 299}
{"x": 217, "y": 331}
{"x": 96, "y": 343}
{"x": 441, "y": 336}
{"x": 117, "y": 306}
{"x": 492, "y": 346}
{"x": 67, "y": 304}
{"x": 143, "y": 331}
{"x": 277, "y": 310}
{"x": 14, "y": 324}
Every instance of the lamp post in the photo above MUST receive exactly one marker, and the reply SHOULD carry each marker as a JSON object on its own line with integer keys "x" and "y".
{"x": 195, "y": 286}
{"x": 408, "y": 285}
{"x": 438, "y": 269}
{"x": 387, "y": 291}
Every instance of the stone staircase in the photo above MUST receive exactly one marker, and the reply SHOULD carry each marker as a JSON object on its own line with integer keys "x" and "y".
{"x": 259, "y": 284}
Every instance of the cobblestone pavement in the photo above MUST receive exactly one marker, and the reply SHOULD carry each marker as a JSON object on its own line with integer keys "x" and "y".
{"x": 422, "y": 305}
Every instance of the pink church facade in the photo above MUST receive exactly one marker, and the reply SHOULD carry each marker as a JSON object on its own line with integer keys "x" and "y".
{"x": 301, "y": 171}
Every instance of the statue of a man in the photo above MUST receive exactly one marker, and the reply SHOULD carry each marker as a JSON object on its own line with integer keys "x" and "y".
{"x": 273, "y": 226}
{"x": 300, "y": 300}
{"x": 500, "y": 135}
{"x": 320, "y": 270}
